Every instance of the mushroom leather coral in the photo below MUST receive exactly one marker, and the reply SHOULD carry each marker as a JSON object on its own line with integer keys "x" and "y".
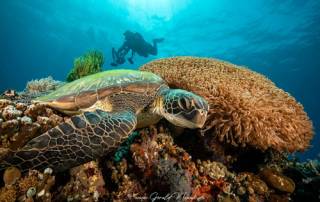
{"x": 246, "y": 108}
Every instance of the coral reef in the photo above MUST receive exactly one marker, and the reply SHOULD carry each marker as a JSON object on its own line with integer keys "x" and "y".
{"x": 124, "y": 148}
{"x": 153, "y": 167}
{"x": 306, "y": 176}
{"x": 21, "y": 122}
{"x": 86, "y": 184}
{"x": 167, "y": 163}
{"x": 246, "y": 108}
{"x": 126, "y": 185}
{"x": 42, "y": 85}
{"x": 35, "y": 186}
{"x": 9, "y": 93}
{"x": 276, "y": 180}
{"x": 11, "y": 175}
{"x": 87, "y": 64}
{"x": 170, "y": 174}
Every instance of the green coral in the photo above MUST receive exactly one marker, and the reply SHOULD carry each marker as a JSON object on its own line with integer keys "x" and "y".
{"x": 124, "y": 148}
{"x": 89, "y": 63}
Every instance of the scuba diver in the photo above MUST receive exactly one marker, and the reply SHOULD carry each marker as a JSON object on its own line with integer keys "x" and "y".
{"x": 136, "y": 43}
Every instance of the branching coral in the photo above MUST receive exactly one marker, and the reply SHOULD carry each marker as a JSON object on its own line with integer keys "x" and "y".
{"x": 87, "y": 64}
{"x": 245, "y": 107}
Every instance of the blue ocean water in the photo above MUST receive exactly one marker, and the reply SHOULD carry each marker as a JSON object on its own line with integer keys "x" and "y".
{"x": 280, "y": 39}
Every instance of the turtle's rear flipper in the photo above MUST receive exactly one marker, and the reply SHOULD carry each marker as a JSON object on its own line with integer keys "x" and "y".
{"x": 81, "y": 139}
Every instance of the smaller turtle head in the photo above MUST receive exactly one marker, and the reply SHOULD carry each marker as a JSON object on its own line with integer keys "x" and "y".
{"x": 183, "y": 108}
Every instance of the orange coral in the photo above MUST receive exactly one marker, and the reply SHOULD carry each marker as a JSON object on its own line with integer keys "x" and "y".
{"x": 245, "y": 107}
{"x": 8, "y": 194}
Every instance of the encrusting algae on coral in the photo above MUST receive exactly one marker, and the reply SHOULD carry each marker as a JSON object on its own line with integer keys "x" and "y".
{"x": 245, "y": 107}
{"x": 156, "y": 163}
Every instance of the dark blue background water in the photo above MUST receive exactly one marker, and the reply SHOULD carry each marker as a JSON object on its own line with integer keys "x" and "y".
{"x": 280, "y": 39}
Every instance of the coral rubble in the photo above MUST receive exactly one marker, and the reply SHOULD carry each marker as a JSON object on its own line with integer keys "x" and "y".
{"x": 246, "y": 108}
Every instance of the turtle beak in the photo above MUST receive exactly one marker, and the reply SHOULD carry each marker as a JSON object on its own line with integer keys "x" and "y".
{"x": 197, "y": 121}
{"x": 200, "y": 118}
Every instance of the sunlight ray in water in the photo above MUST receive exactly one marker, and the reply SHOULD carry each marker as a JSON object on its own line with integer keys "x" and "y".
{"x": 145, "y": 12}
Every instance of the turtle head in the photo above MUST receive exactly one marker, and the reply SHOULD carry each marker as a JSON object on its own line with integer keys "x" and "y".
{"x": 183, "y": 108}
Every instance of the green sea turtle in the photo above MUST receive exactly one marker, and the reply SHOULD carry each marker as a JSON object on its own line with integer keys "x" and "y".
{"x": 106, "y": 108}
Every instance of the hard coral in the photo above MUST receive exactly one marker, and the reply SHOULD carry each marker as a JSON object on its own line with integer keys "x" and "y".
{"x": 128, "y": 185}
{"x": 172, "y": 175}
{"x": 278, "y": 181}
{"x": 8, "y": 194}
{"x": 10, "y": 112}
{"x": 86, "y": 184}
{"x": 245, "y": 106}
{"x": 306, "y": 176}
{"x": 20, "y": 122}
{"x": 146, "y": 153}
{"x": 11, "y": 175}
{"x": 87, "y": 64}
{"x": 42, "y": 85}
{"x": 35, "y": 185}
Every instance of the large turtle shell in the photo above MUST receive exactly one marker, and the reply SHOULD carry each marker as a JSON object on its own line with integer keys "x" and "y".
{"x": 85, "y": 92}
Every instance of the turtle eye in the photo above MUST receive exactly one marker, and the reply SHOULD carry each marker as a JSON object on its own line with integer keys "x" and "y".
{"x": 184, "y": 103}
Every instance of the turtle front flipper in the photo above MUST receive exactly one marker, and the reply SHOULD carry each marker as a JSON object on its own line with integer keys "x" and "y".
{"x": 81, "y": 139}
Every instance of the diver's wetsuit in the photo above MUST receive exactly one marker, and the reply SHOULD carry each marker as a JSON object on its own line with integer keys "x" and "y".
{"x": 136, "y": 43}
